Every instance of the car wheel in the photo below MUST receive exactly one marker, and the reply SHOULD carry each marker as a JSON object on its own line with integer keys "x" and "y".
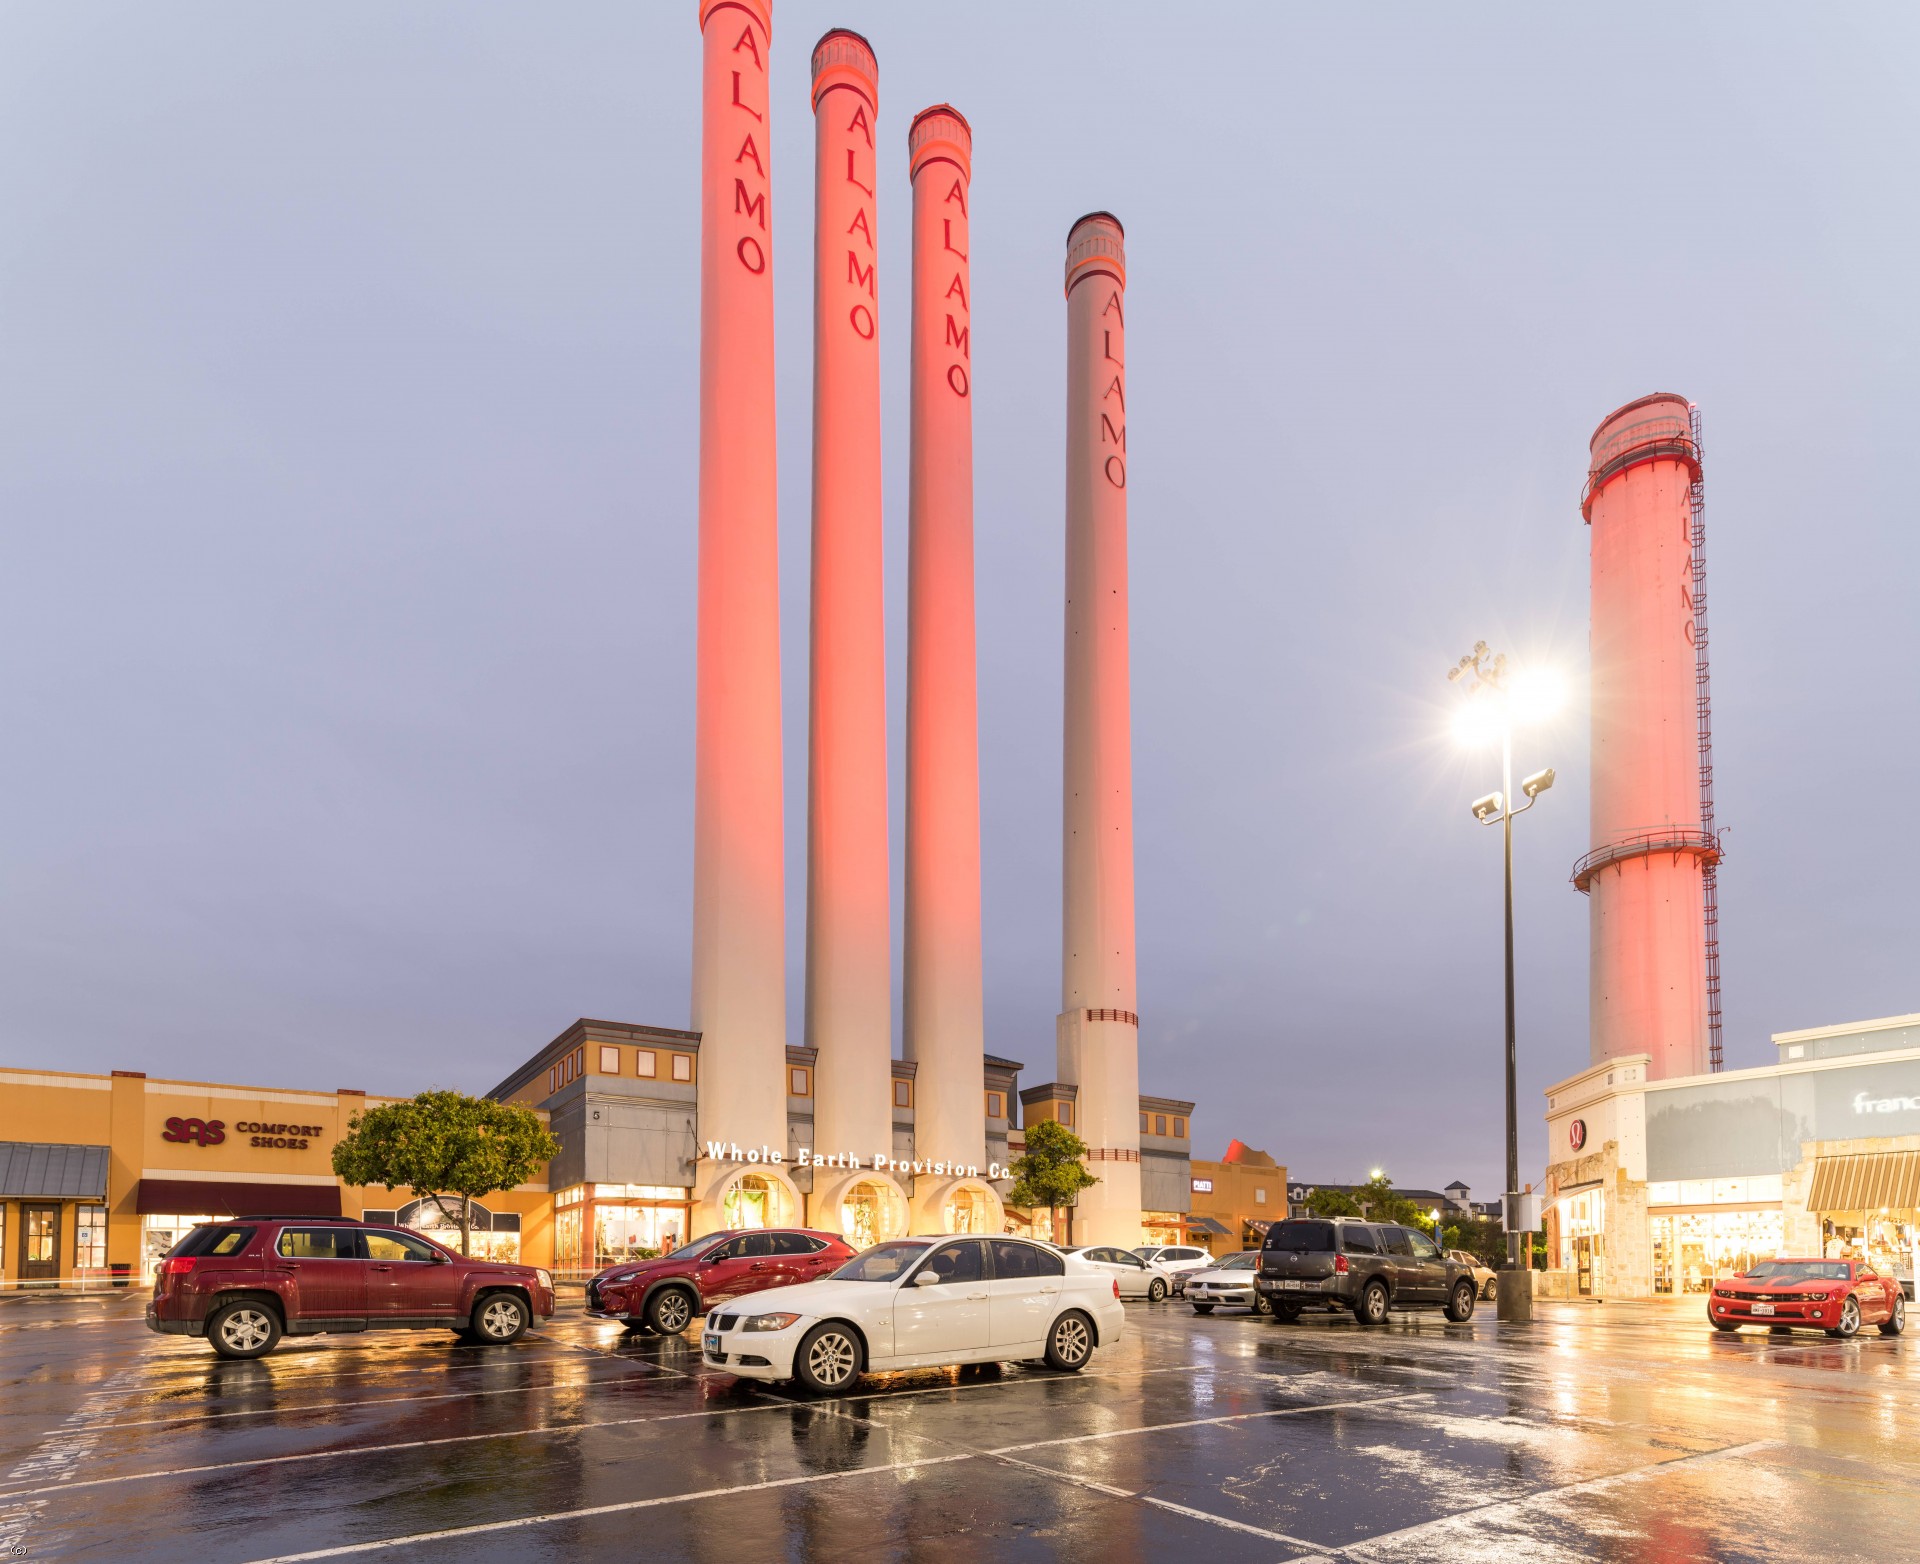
{"x": 1286, "y": 1313}
{"x": 1372, "y": 1307}
{"x": 828, "y": 1358}
{"x": 245, "y": 1328}
{"x": 1203, "y": 1308}
{"x": 1492, "y": 1287}
{"x": 1156, "y": 1290}
{"x": 1725, "y": 1325}
{"x": 1897, "y": 1321}
{"x": 1261, "y": 1304}
{"x": 1849, "y": 1319}
{"x": 670, "y": 1310}
{"x": 1070, "y": 1342}
{"x": 1460, "y": 1305}
{"x": 499, "y": 1318}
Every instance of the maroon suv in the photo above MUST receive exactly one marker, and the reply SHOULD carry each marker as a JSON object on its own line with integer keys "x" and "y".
{"x": 665, "y": 1294}
{"x": 244, "y": 1282}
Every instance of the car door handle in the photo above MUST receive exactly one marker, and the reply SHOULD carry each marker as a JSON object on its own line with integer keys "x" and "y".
{"x": 383, "y": 1268}
{"x": 758, "y": 1265}
{"x": 286, "y": 1270}
{"x": 976, "y": 1297}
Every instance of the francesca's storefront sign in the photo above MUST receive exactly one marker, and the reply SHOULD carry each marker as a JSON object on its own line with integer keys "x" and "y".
{"x": 724, "y": 1151}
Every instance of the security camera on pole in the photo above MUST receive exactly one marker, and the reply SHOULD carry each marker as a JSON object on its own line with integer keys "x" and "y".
{"x": 1497, "y": 698}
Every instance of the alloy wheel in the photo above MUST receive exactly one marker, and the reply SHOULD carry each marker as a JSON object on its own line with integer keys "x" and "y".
{"x": 674, "y": 1312}
{"x": 1070, "y": 1339}
{"x": 831, "y": 1358}
{"x": 1850, "y": 1316}
{"x": 501, "y": 1318}
{"x": 245, "y": 1330}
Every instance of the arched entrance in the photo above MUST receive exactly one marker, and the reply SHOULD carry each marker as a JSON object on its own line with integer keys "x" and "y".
{"x": 736, "y": 1197}
{"x": 942, "y": 1205}
{"x": 967, "y": 1210}
{"x": 865, "y": 1208}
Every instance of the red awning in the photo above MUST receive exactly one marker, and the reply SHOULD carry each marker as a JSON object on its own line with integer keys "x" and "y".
{"x": 202, "y": 1197}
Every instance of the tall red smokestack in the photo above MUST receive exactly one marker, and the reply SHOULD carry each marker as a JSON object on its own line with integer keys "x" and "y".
{"x": 944, "y": 1028}
{"x": 849, "y": 1016}
{"x": 739, "y": 970}
{"x": 1648, "y": 966}
{"x": 1098, "y": 1032}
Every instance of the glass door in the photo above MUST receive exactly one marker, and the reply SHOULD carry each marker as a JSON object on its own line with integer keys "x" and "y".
{"x": 39, "y": 1243}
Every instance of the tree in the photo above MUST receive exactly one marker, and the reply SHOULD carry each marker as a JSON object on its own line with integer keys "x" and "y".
{"x": 445, "y": 1143}
{"x": 1050, "y": 1173}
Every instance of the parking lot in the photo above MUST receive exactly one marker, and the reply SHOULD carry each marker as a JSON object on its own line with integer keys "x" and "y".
{"x": 1602, "y": 1431}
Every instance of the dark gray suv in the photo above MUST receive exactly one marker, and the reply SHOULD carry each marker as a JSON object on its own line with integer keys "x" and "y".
{"x": 1368, "y": 1267}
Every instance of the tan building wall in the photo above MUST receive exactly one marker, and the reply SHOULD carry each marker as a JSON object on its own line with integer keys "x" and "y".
{"x": 188, "y": 1132}
{"x": 1253, "y": 1188}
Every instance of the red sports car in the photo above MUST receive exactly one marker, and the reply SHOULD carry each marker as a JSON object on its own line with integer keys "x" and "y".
{"x": 664, "y": 1295}
{"x": 1836, "y": 1296}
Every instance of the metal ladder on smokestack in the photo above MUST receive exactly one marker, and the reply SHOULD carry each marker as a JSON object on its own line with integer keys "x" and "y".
{"x": 1703, "y": 710}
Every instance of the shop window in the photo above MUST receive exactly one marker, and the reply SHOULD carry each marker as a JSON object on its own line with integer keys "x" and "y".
{"x": 903, "y": 1094}
{"x": 1159, "y": 1124}
{"x": 646, "y": 1063}
{"x": 1179, "y": 1129}
{"x": 89, "y": 1238}
{"x": 609, "y": 1060}
{"x": 798, "y": 1083}
{"x": 636, "y": 1232}
{"x": 996, "y": 1105}
{"x": 683, "y": 1067}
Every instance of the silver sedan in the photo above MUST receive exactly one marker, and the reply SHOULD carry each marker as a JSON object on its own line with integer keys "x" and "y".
{"x": 1229, "y": 1283}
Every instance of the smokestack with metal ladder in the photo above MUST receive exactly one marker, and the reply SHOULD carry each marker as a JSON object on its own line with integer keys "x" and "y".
{"x": 1650, "y": 872}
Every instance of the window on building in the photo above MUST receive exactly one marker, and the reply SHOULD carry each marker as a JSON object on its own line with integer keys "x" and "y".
{"x": 683, "y": 1067}
{"x": 609, "y": 1060}
{"x": 1259, "y": 1195}
{"x": 1144, "y": 1125}
{"x": 1159, "y": 1124}
{"x": 1066, "y": 1113}
{"x": 553, "y": 1080}
{"x": 1180, "y": 1129}
{"x": 646, "y": 1063}
{"x": 903, "y": 1094}
{"x": 996, "y": 1105}
{"x": 90, "y": 1238}
{"x": 580, "y": 1061}
{"x": 798, "y": 1083}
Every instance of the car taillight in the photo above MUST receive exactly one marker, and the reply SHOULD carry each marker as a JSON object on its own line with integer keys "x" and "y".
{"x": 1340, "y": 1265}
{"x": 1116, "y": 1287}
{"x": 177, "y": 1266}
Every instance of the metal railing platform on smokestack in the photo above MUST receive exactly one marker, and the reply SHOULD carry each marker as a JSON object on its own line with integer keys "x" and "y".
{"x": 1703, "y": 707}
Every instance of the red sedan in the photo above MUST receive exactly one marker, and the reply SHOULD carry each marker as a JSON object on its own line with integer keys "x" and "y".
{"x": 664, "y": 1295}
{"x": 1836, "y": 1296}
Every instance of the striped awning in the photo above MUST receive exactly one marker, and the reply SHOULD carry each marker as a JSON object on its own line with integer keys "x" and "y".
{"x": 1875, "y": 1181}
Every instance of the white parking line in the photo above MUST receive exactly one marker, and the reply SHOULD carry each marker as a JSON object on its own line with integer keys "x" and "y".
{"x": 1590, "y": 1485}
{"x": 420, "y": 1538}
{"x": 410, "y": 1444}
{"x": 1209, "y": 1422}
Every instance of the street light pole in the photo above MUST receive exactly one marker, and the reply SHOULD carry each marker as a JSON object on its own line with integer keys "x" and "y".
{"x": 1513, "y": 1110}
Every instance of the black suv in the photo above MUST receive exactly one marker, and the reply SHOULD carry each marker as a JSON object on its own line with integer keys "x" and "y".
{"x": 1368, "y": 1267}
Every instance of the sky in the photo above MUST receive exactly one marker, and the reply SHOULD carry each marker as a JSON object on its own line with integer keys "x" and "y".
{"x": 348, "y": 366}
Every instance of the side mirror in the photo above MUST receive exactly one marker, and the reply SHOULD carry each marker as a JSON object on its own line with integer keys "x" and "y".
{"x": 926, "y": 1279}
{"x": 711, "y": 1259}
{"x": 442, "y": 1259}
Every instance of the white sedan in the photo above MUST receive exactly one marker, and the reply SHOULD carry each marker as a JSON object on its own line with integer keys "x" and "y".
{"x": 1177, "y": 1260}
{"x": 1229, "y": 1283}
{"x": 920, "y": 1303}
{"x": 1137, "y": 1278}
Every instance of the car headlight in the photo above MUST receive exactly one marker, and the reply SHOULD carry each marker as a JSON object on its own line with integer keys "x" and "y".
{"x": 768, "y": 1321}
{"x": 1817, "y": 1297}
{"x": 546, "y": 1278}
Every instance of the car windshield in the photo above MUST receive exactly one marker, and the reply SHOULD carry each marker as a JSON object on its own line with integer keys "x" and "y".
{"x": 1799, "y": 1271}
{"x": 1147, "y": 1251}
{"x": 1239, "y": 1262}
{"x": 705, "y": 1241}
{"x": 1300, "y": 1236}
{"x": 881, "y": 1263}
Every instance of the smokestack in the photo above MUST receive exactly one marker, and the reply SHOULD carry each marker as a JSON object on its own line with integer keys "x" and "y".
{"x": 739, "y": 972}
{"x": 849, "y": 1016}
{"x": 944, "y": 1029}
{"x": 1643, "y": 874}
{"x": 1098, "y": 1033}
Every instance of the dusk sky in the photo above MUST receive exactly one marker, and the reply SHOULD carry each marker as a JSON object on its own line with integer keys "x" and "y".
{"x": 348, "y": 365}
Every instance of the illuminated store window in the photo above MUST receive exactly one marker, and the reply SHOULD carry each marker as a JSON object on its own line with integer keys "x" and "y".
{"x": 683, "y": 1067}
{"x": 609, "y": 1060}
{"x": 646, "y": 1063}
{"x": 903, "y": 1094}
{"x": 967, "y": 1211}
{"x": 89, "y": 1238}
{"x": 1691, "y": 1248}
{"x": 756, "y": 1201}
{"x": 623, "y": 1232}
{"x": 798, "y": 1084}
{"x": 158, "y": 1234}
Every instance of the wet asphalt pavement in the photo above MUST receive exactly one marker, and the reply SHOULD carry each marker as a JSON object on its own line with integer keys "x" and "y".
{"x": 1616, "y": 1431}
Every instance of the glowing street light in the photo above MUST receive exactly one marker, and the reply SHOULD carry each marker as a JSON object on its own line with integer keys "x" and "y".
{"x": 1499, "y": 699}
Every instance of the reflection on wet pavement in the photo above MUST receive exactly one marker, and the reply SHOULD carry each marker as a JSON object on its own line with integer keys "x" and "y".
{"x": 1617, "y": 1432}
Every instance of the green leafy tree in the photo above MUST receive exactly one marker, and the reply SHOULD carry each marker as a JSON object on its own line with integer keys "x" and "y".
{"x": 1374, "y": 1200}
{"x": 445, "y": 1144}
{"x": 1050, "y": 1173}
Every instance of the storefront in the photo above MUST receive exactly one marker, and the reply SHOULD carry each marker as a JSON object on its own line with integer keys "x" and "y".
{"x": 100, "y": 1175}
{"x": 1656, "y": 1188}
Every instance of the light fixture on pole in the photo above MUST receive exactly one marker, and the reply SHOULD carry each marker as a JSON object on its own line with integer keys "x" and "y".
{"x": 1497, "y": 698}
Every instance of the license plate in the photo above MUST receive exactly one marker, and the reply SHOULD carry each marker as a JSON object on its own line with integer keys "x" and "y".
{"x": 1763, "y": 1308}
{"x": 1288, "y": 1286}
{"x": 711, "y": 1343}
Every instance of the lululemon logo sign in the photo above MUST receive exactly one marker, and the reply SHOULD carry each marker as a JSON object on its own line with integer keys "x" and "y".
{"x": 1577, "y": 1134}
